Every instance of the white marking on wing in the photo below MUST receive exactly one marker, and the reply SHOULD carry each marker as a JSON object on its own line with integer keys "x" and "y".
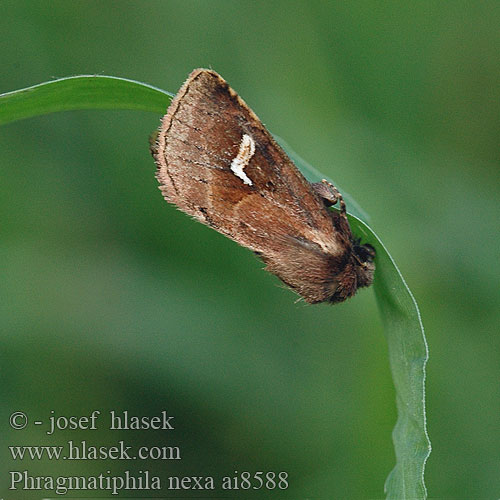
{"x": 247, "y": 150}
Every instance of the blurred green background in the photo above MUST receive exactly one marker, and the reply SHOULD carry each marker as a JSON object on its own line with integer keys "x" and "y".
{"x": 112, "y": 299}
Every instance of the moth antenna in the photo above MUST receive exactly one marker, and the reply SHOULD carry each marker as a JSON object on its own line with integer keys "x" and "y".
{"x": 343, "y": 209}
{"x": 330, "y": 194}
{"x": 338, "y": 195}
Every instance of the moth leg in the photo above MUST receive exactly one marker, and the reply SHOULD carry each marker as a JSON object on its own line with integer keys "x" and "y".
{"x": 153, "y": 142}
{"x": 329, "y": 194}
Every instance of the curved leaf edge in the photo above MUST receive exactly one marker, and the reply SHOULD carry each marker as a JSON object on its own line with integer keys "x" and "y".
{"x": 82, "y": 92}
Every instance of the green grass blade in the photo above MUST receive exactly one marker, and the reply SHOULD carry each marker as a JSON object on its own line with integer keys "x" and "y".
{"x": 82, "y": 92}
{"x": 408, "y": 355}
{"x": 403, "y": 327}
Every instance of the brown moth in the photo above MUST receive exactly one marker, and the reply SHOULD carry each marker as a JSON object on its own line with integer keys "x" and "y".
{"x": 218, "y": 163}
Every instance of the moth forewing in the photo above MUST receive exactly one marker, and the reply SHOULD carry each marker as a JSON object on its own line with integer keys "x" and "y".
{"x": 218, "y": 163}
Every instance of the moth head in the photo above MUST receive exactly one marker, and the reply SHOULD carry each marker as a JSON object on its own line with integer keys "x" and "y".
{"x": 364, "y": 256}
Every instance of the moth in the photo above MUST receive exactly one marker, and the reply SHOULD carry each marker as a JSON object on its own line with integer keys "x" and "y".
{"x": 217, "y": 162}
